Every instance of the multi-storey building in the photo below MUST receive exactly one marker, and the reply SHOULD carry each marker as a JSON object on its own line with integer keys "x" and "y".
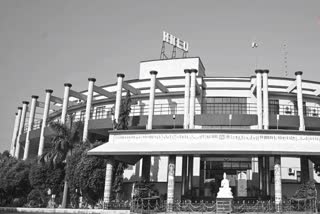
{"x": 187, "y": 129}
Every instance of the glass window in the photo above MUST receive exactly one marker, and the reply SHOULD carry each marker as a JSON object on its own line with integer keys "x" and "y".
{"x": 274, "y": 106}
{"x": 82, "y": 115}
{"x": 225, "y": 105}
{"x": 100, "y": 112}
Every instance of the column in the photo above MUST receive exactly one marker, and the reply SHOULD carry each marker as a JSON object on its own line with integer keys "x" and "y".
{"x": 118, "y": 96}
{"x": 15, "y": 131}
{"x": 190, "y": 173}
{"x": 186, "y": 99}
{"x": 65, "y": 104}
{"x": 265, "y": 99}
{"x": 193, "y": 73}
{"x": 304, "y": 166}
{"x": 201, "y": 178}
{"x": 267, "y": 175}
{"x": 44, "y": 120}
{"x": 300, "y": 100}
{"x": 260, "y": 165}
{"x": 259, "y": 98}
{"x": 151, "y": 99}
{"x": 146, "y": 163}
{"x": 277, "y": 183}
{"x": 88, "y": 108}
{"x": 171, "y": 181}
{"x": 108, "y": 183}
{"x": 30, "y": 125}
{"x": 21, "y": 127}
{"x": 184, "y": 174}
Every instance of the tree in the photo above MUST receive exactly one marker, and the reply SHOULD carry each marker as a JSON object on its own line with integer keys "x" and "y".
{"x": 125, "y": 109}
{"x": 86, "y": 174}
{"x": 117, "y": 186}
{"x": 42, "y": 177}
{"x": 123, "y": 124}
{"x": 62, "y": 143}
{"x": 14, "y": 182}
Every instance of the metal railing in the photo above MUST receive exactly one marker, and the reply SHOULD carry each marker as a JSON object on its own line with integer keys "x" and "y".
{"x": 200, "y": 108}
{"x": 229, "y": 108}
{"x": 312, "y": 111}
{"x": 282, "y": 109}
{"x": 243, "y": 206}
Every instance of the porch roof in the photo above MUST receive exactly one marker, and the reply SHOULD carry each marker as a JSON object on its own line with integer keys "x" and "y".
{"x": 209, "y": 141}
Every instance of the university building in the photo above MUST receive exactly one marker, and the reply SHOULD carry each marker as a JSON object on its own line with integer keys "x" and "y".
{"x": 186, "y": 129}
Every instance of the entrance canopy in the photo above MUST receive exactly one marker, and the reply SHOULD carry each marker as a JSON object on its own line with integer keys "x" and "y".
{"x": 206, "y": 141}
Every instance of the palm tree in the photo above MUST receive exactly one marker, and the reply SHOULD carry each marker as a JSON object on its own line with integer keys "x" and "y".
{"x": 62, "y": 143}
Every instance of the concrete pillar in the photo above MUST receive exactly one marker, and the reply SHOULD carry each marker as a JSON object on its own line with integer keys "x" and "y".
{"x": 184, "y": 174}
{"x": 201, "y": 178}
{"x": 108, "y": 182}
{"x": 44, "y": 120}
{"x": 30, "y": 125}
{"x": 15, "y": 131}
{"x": 260, "y": 165}
{"x": 151, "y": 98}
{"x": 193, "y": 73}
{"x": 277, "y": 183}
{"x": 65, "y": 104}
{"x": 171, "y": 181}
{"x": 300, "y": 100}
{"x": 186, "y": 99}
{"x": 190, "y": 173}
{"x": 146, "y": 163}
{"x": 265, "y": 99}
{"x": 259, "y": 98}
{"x": 88, "y": 108}
{"x": 304, "y": 166}
{"x": 118, "y": 96}
{"x": 21, "y": 127}
{"x": 267, "y": 174}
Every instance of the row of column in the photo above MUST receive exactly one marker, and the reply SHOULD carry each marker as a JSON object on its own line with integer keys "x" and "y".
{"x": 189, "y": 112}
{"x": 262, "y": 94}
{"x": 20, "y": 118}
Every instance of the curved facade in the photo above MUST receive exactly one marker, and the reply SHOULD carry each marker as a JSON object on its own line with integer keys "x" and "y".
{"x": 187, "y": 128}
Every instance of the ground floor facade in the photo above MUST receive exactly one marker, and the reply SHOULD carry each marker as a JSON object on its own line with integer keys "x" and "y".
{"x": 189, "y": 165}
{"x": 199, "y": 178}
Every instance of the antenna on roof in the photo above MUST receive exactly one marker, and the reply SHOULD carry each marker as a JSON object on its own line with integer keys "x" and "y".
{"x": 254, "y": 45}
{"x": 285, "y": 59}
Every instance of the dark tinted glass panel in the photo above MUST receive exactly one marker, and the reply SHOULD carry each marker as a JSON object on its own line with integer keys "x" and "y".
{"x": 225, "y": 105}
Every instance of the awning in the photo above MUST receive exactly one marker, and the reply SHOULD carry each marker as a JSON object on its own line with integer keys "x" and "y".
{"x": 205, "y": 141}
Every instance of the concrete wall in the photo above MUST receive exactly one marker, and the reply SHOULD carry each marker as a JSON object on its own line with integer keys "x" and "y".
{"x": 170, "y": 67}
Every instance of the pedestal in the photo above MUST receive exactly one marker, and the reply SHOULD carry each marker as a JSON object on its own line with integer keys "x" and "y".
{"x": 224, "y": 205}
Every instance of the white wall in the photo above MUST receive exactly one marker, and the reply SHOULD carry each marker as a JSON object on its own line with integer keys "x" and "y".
{"x": 170, "y": 67}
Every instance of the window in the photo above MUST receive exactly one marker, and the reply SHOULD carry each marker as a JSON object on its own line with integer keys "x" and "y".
{"x": 274, "y": 106}
{"x": 100, "y": 112}
{"x": 82, "y": 115}
{"x": 226, "y": 105}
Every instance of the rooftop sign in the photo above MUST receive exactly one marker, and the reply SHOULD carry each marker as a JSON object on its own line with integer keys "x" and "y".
{"x": 175, "y": 41}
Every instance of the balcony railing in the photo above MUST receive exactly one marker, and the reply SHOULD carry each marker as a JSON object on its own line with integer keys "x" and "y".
{"x": 200, "y": 108}
{"x": 228, "y": 108}
{"x": 312, "y": 111}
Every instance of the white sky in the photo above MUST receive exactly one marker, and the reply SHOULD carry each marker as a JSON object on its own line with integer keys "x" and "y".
{"x": 44, "y": 43}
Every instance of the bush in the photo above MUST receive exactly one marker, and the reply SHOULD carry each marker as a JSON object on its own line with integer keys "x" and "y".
{"x": 37, "y": 198}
